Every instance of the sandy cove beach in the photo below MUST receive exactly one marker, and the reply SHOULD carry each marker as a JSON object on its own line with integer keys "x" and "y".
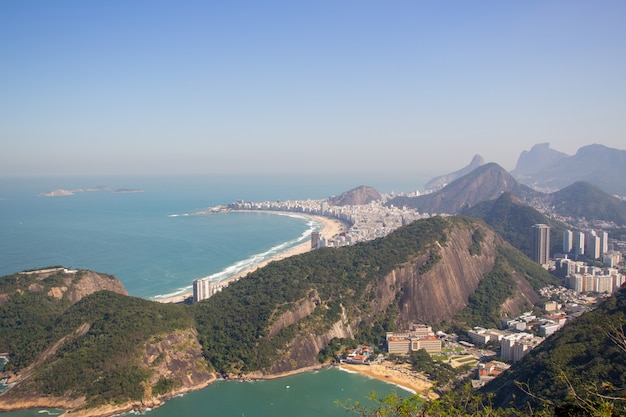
{"x": 394, "y": 374}
{"x": 330, "y": 228}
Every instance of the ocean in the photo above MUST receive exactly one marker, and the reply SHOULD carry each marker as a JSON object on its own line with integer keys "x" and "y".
{"x": 155, "y": 248}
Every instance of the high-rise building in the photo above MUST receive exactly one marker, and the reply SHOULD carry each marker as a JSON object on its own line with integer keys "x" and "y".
{"x": 568, "y": 241}
{"x": 201, "y": 289}
{"x": 540, "y": 245}
{"x": 592, "y": 245}
{"x": 604, "y": 242}
{"x": 579, "y": 243}
{"x": 315, "y": 240}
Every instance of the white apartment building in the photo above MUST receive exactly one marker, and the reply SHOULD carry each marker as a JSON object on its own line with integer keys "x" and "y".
{"x": 515, "y": 346}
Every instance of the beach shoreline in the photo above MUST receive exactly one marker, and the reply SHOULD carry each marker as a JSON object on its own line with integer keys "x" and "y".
{"x": 331, "y": 227}
{"x": 392, "y": 374}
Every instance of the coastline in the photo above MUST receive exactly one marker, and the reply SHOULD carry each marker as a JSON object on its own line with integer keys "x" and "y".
{"x": 392, "y": 374}
{"x": 330, "y": 228}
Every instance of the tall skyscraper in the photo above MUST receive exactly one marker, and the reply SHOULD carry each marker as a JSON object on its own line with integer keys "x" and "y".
{"x": 590, "y": 243}
{"x": 315, "y": 240}
{"x": 201, "y": 289}
{"x": 604, "y": 242}
{"x": 592, "y": 249}
{"x": 540, "y": 245}
{"x": 579, "y": 243}
{"x": 568, "y": 241}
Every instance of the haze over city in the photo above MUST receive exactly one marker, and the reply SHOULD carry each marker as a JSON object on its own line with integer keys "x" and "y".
{"x": 273, "y": 87}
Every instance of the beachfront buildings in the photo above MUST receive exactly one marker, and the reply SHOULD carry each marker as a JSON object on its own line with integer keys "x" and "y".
{"x": 203, "y": 288}
{"x": 419, "y": 336}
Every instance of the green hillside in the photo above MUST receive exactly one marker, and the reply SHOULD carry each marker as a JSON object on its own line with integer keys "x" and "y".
{"x": 233, "y": 325}
{"x": 513, "y": 220}
{"x": 584, "y": 200}
{"x": 582, "y": 364}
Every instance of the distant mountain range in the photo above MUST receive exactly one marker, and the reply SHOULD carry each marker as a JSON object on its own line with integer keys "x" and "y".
{"x": 487, "y": 182}
{"x": 490, "y": 181}
{"x": 548, "y": 170}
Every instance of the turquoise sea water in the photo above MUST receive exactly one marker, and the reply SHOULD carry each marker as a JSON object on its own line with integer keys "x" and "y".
{"x": 147, "y": 242}
{"x": 313, "y": 394}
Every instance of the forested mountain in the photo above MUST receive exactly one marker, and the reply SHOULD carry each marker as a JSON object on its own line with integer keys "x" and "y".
{"x": 513, "y": 220}
{"x": 280, "y": 317}
{"x": 577, "y": 368}
{"x": 113, "y": 349}
{"x": 584, "y": 200}
{"x": 486, "y": 182}
{"x": 101, "y": 348}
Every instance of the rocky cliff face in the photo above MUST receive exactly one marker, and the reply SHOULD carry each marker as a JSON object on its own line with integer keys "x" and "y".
{"x": 443, "y": 291}
{"x": 177, "y": 357}
{"x": 422, "y": 296}
{"x": 64, "y": 284}
{"x": 88, "y": 282}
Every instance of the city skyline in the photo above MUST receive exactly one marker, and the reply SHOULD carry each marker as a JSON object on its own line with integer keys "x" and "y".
{"x": 142, "y": 87}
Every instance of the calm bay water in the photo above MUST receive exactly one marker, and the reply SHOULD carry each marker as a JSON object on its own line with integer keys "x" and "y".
{"x": 312, "y": 394}
{"x": 148, "y": 242}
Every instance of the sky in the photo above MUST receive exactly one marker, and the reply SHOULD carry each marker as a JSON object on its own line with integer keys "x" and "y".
{"x": 395, "y": 87}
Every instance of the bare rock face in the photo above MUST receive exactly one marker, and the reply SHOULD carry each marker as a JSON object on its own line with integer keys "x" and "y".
{"x": 444, "y": 290}
{"x": 76, "y": 284}
{"x": 423, "y": 295}
{"x": 302, "y": 351}
{"x": 178, "y": 358}
{"x": 88, "y": 282}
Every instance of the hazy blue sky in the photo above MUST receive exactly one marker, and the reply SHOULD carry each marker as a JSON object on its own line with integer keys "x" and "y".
{"x": 97, "y": 87}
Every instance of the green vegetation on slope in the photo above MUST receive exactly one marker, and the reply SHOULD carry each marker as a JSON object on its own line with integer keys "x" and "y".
{"x": 513, "y": 220}
{"x": 100, "y": 356}
{"x": 28, "y": 315}
{"x": 587, "y": 357}
{"x": 584, "y": 200}
{"x": 233, "y": 325}
{"x": 499, "y": 284}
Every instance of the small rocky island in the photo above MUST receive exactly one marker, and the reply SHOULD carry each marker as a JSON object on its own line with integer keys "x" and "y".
{"x": 60, "y": 192}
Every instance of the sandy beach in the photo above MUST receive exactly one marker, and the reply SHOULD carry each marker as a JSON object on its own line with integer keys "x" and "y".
{"x": 394, "y": 374}
{"x": 330, "y": 228}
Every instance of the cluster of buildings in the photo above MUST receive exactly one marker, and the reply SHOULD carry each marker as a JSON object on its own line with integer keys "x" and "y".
{"x": 361, "y": 355}
{"x": 514, "y": 345}
{"x": 419, "y": 336}
{"x": 203, "y": 288}
{"x": 580, "y": 276}
{"x": 365, "y": 222}
{"x": 592, "y": 244}
{"x": 486, "y": 372}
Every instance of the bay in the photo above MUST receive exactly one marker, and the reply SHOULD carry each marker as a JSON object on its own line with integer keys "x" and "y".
{"x": 310, "y": 394}
{"x": 147, "y": 242}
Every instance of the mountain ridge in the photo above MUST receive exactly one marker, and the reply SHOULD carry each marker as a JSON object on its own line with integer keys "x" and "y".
{"x": 549, "y": 170}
